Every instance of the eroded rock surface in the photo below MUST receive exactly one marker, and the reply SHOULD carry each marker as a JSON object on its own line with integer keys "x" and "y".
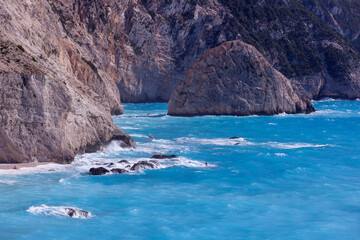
{"x": 235, "y": 79}
{"x": 54, "y": 101}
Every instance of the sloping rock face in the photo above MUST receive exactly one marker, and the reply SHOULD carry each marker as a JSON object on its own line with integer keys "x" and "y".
{"x": 341, "y": 15}
{"x": 235, "y": 79}
{"x": 54, "y": 101}
{"x": 147, "y": 46}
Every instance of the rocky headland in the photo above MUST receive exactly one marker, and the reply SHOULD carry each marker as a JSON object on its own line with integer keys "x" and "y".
{"x": 66, "y": 65}
{"x": 235, "y": 79}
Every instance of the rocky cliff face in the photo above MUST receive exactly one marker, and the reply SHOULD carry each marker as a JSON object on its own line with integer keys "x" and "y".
{"x": 148, "y": 46}
{"x": 341, "y": 15}
{"x": 235, "y": 79}
{"x": 72, "y": 58}
{"x": 54, "y": 101}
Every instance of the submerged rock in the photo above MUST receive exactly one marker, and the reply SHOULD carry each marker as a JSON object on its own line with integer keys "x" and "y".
{"x": 162, "y": 156}
{"x": 142, "y": 165}
{"x": 118, "y": 170}
{"x": 98, "y": 171}
{"x": 76, "y": 213}
{"x": 235, "y": 79}
{"x": 233, "y": 138}
{"x": 124, "y": 161}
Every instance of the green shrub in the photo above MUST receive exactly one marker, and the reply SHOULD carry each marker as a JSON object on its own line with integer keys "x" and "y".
{"x": 21, "y": 48}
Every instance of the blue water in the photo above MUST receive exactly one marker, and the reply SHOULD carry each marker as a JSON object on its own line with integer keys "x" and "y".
{"x": 291, "y": 177}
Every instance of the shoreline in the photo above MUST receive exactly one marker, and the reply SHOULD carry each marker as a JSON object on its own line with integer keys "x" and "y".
{"x": 17, "y": 166}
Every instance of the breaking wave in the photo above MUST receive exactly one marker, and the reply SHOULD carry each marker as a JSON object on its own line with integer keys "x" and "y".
{"x": 60, "y": 211}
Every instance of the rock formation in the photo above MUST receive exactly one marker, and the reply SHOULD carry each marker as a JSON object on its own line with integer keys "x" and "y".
{"x": 147, "y": 47}
{"x": 235, "y": 79}
{"x": 65, "y": 65}
{"x": 54, "y": 102}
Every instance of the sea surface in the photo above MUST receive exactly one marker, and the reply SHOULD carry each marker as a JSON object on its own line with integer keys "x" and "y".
{"x": 288, "y": 177}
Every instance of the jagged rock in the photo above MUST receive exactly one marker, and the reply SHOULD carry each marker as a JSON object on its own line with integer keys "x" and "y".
{"x": 151, "y": 137}
{"x": 151, "y": 45}
{"x": 155, "y": 163}
{"x": 118, "y": 170}
{"x": 55, "y": 101}
{"x": 233, "y": 138}
{"x": 142, "y": 165}
{"x": 71, "y": 212}
{"x": 235, "y": 79}
{"x": 162, "y": 156}
{"x": 98, "y": 171}
{"x": 124, "y": 161}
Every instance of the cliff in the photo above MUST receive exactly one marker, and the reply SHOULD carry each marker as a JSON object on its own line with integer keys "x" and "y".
{"x": 235, "y": 79}
{"x": 55, "y": 102}
{"x": 148, "y": 46}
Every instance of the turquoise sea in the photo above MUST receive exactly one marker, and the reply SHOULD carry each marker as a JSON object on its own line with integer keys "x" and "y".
{"x": 288, "y": 177}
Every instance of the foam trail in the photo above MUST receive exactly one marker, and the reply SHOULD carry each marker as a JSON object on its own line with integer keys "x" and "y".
{"x": 8, "y": 182}
{"x": 47, "y": 168}
{"x": 295, "y": 145}
{"x": 59, "y": 211}
{"x": 211, "y": 141}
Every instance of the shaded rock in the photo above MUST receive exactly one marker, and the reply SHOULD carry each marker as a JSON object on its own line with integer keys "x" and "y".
{"x": 98, "y": 171}
{"x": 235, "y": 79}
{"x": 118, "y": 170}
{"x": 142, "y": 165}
{"x": 124, "y": 161}
{"x": 75, "y": 213}
{"x": 162, "y": 156}
{"x": 232, "y": 138}
{"x": 151, "y": 137}
{"x": 155, "y": 163}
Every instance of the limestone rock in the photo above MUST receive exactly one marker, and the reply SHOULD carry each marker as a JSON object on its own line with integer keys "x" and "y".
{"x": 235, "y": 79}
{"x": 54, "y": 101}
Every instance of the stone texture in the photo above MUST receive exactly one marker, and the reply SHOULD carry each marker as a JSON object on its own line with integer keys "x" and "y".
{"x": 54, "y": 102}
{"x": 235, "y": 79}
{"x": 147, "y": 47}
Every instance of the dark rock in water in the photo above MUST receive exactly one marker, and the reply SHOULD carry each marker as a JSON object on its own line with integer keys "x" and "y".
{"x": 232, "y": 138}
{"x": 236, "y": 144}
{"x": 162, "y": 156}
{"x": 98, "y": 171}
{"x": 124, "y": 162}
{"x": 118, "y": 170}
{"x": 128, "y": 166}
{"x": 151, "y": 137}
{"x": 111, "y": 165}
{"x": 156, "y": 163}
{"x": 235, "y": 79}
{"x": 142, "y": 165}
{"x": 76, "y": 213}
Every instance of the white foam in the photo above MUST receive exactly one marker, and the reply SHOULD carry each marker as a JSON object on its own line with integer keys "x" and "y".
{"x": 129, "y": 128}
{"x": 280, "y": 154}
{"x": 46, "y": 168}
{"x": 325, "y": 100}
{"x": 211, "y": 141}
{"x": 58, "y": 211}
{"x": 295, "y": 145}
{"x": 138, "y": 135}
{"x": 8, "y": 182}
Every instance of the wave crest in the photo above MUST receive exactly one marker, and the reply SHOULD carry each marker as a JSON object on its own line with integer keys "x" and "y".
{"x": 60, "y": 211}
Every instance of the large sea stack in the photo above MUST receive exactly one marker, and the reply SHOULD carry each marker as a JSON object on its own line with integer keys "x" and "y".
{"x": 235, "y": 79}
